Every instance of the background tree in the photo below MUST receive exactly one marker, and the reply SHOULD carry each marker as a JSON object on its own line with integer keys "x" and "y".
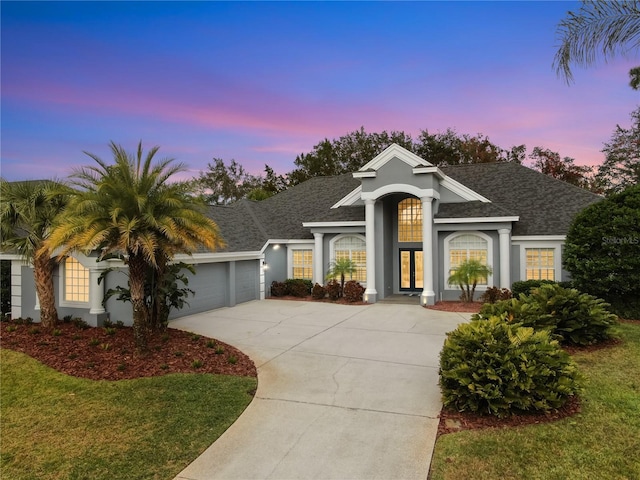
{"x": 602, "y": 251}
{"x": 27, "y": 212}
{"x": 221, "y": 184}
{"x": 345, "y": 154}
{"x": 130, "y": 209}
{"x": 599, "y": 27}
{"x": 451, "y": 148}
{"x": 621, "y": 167}
{"x": 550, "y": 163}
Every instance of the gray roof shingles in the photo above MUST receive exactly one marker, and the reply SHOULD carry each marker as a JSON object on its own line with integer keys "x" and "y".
{"x": 546, "y": 206}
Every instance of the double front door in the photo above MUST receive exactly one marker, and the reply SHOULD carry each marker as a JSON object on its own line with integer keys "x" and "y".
{"x": 411, "y": 269}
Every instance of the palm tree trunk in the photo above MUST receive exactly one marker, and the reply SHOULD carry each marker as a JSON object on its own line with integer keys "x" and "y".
{"x": 137, "y": 277}
{"x": 43, "y": 275}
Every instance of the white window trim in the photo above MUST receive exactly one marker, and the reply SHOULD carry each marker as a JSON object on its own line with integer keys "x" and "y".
{"x": 63, "y": 274}
{"x": 332, "y": 247}
{"x": 557, "y": 256}
{"x": 447, "y": 262}
{"x": 299, "y": 246}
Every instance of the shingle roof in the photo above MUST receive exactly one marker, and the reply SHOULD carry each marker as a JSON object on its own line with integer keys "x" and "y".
{"x": 546, "y": 206}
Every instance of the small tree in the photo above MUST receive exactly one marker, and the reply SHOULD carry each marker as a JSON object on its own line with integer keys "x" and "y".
{"x": 467, "y": 276}
{"x": 340, "y": 268}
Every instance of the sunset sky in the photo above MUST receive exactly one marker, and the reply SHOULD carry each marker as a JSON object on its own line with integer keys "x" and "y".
{"x": 262, "y": 82}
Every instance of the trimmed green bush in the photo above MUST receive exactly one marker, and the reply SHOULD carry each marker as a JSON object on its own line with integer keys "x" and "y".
{"x": 499, "y": 368}
{"x": 572, "y": 317}
{"x": 525, "y": 286}
{"x": 298, "y": 287}
{"x": 353, "y": 291}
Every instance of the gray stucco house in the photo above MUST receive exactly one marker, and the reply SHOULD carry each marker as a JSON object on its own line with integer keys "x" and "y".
{"x": 406, "y": 223}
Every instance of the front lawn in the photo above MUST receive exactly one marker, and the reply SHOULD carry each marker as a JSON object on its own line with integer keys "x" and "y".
{"x": 55, "y": 426}
{"x": 601, "y": 442}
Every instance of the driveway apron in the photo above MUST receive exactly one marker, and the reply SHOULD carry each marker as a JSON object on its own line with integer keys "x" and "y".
{"x": 344, "y": 392}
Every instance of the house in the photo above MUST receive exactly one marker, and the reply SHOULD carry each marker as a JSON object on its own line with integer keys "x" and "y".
{"x": 406, "y": 224}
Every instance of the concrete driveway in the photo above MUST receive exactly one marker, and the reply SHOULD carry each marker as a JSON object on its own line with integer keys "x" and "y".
{"x": 344, "y": 392}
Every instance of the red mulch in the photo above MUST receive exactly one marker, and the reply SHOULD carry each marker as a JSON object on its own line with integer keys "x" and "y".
{"x": 454, "y": 421}
{"x": 451, "y": 306}
{"x": 95, "y": 354}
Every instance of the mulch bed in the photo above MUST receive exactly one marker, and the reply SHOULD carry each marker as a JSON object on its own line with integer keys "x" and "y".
{"x": 451, "y": 306}
{"x": 101, "y": 354}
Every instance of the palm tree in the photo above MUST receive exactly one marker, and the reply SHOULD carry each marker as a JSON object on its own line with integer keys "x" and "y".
{"x": 467, "y": 275}
{"x": 340, "y": 268}
{"x": 130, "y": 209}
{"x": 27, "y": 212}
{"x": 603, "y": 27}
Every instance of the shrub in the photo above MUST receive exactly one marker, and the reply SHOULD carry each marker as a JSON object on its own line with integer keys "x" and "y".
{"x": 278, "y": 289}
{"x": 572, "y": 317}
{"x": 298, "y": 287}
{"x": 495, "y": 294}
{"x": 318, "y": 292}
{"x": 353, "y": 291}
{"x": 333, "y": 290}
{"x": 80, "y": 323}
{"x": 498, "y": 368}
{"x": 602, "y": 251}
{"x": 525, "y": 286}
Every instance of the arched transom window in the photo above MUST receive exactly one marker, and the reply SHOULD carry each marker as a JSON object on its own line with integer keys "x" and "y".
{"x": 354, "y": 248}
{"x": 410, "y": 220}
{"x": 467, "y": 247}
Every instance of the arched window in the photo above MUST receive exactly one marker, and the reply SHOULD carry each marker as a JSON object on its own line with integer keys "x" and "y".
{"x": 410, "y": 220}
{"x": 467, "y": 246}
{"x": 354, "y": 248}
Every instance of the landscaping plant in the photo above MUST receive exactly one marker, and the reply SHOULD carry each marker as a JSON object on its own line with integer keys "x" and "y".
{"x": 340, "y": 268}
{"x": 602, "y": 251}
{"x": 500, "y": 368}
{"x": 572, "y": 317}
{"x": 467, "y": 276}
{"x": 353, "y": 291}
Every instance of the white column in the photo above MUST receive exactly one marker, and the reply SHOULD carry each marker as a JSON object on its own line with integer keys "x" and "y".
{"x": 370, "y": 293}
{"x": 96, "y": 291}
{"x": 505, "y": 257}
{"x": 318, "y": 262}
{"x": 428, "y": 295}
{"x": 16, "y": 288}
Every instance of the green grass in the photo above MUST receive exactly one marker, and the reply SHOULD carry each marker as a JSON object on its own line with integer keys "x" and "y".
{"x": 54, "y": 426}
{"x": 602, "y": 442}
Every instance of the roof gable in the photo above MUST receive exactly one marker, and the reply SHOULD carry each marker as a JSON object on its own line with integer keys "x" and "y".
{"x": 391, "y": 152}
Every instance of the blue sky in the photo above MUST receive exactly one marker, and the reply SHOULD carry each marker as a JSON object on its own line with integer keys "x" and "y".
{"x": 261, "y": 82}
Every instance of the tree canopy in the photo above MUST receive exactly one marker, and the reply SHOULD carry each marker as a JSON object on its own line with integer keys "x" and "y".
{"x": 602, "y": 251}
{"x": 130, "y": 209}
{"x": 621, "y": 167}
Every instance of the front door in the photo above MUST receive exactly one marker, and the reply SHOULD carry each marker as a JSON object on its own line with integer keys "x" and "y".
{"x": 411, "y": 278}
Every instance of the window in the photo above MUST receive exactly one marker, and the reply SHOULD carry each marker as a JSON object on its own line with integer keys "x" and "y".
{"x": 410, "y": 220}
{"x": 354, "y": 248}
{"x": 302, "y": 261}
{"x": 76, "y": 281}
{"x": 540, "y": 264}
{"x": 467, "y": 247}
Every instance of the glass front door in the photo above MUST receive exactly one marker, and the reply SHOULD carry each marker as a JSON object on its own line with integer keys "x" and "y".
{"x": 411, "y": 273}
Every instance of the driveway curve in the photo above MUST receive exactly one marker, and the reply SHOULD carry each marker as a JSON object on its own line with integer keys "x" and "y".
{"x": 344, "y": 392}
